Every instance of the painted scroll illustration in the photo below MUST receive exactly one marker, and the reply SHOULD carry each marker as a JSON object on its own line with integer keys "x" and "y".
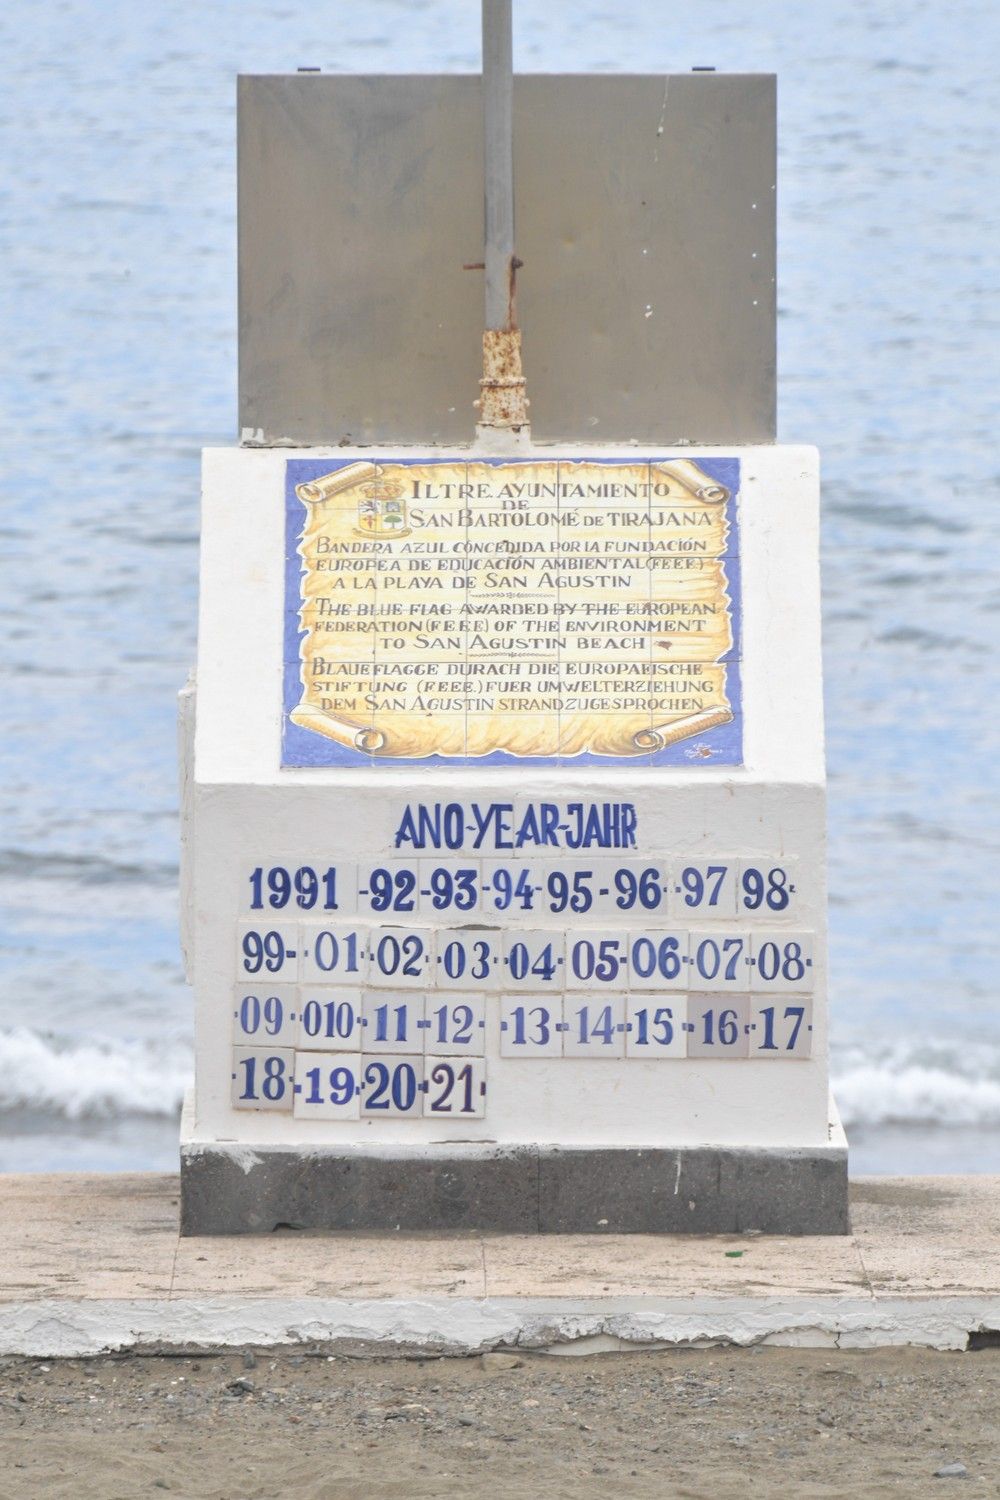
{"x": 543, "y": 611}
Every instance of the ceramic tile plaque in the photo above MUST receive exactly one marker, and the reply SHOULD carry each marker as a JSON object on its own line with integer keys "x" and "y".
{"x": 505, "y": 612}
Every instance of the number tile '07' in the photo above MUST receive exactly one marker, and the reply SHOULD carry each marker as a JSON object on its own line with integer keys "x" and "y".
{"x": 655, "y": 1026}
{"x": 262, "y": 1078}
{"x": 783, "y": 961}
{"x": 264, "y": 1014}
{"x": 455, "y": 1088}
{"x": 718, "y": 959}
{"x": 327, "y": 1086}
{"x": 268, "y": 949}
{"x": 391, "y": 1087}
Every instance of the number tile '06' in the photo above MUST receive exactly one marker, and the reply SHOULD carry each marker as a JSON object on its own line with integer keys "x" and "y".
{"x": 262, "y": 1078}
{"x": 456, "y": 1088}
{"x": 327, "y": 1086}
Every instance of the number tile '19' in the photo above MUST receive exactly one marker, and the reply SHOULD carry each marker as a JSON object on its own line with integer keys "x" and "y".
{"x": 327, "y": 1086}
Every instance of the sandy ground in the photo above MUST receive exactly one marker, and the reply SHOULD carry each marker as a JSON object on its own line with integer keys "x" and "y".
{"x": 712, "y": 1424}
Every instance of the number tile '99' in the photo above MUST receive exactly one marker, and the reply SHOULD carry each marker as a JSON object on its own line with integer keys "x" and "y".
{"x": 267, "y": 949}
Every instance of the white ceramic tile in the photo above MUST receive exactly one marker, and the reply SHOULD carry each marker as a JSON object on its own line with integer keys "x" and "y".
{"x": 768, "y": 890}
{"x": 595, "y": 1025}
{"x": 327, "y": 1086}
{"x": 391, "y": 1087}
{"x": 329, "y": 1018}
{"x": 264, "y": 1014}
{"x": 455, "y": 1025}
{"x": 533, "y": 959}
{"x": 717, "y": 1026}
{"x": 781, "y": 1025}
{"x": 468, "y": 958}
{"x": 268, "y": 949}
{"x": 392, "y": 1021}
{"x": 456, "y": 1088}
{"x": 630, "y": 889}
{"x": 531, "y": 1025}
{"x": 655, "y": 1026}
{"x": 718, "y": 959}
{"x": 703, "y": 888}
{"x": 285, "y": 888}
{"x": 657, "y": 958}
{"x": 262, "y": 1078}
{"x": 511, "y": 889}
{"x": 333, "y": 953}
{"x": 783, "y": 962}
{"x": 597, "y": 958}
{"x": 449, "y": 888}
{"x": 388, "y": 889}
{"x": 401, "y": 957}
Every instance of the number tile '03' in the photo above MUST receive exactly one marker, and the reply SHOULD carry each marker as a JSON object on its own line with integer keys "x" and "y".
{"x": 327, "y": 1086}
{"x": 531, "y": 1025}
{"x": 391, "y": 1087}
{"x": 655, "y": 1026}
{"x": 455, "y": 1088}
{"x": 262, "y": 1078}
{"x": 329, "y": 1019}
{"x": 783, "y": 962}
{"x": 264, "y": 1014}
{"x": 269, "y": 949}
{"x": 468, "y": 958}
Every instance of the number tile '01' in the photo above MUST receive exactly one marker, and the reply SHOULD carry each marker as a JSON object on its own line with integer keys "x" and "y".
{"x": 455, "y": 1088}
{"x": 392, "y": 1021}
{"x": 781, "y": 1026}
{"x": 329, "y": 1019}
{"x": 655, "y": 1026}
{"x": 268, "y": 949}
{"x": 391, "y": 1087}
{"x": 531, "y": 1025}
{"x": 327, "y": 1086}
{"x": 264, "y": 1014}
{"x": 262, "y": 1078}
{"x": 595, "y": 1025}
{"x": 333, "y": 953}
{"x": 783, "y": 962}
{"x": 455, "y": 1025}
{"x": 717, "y": 1026}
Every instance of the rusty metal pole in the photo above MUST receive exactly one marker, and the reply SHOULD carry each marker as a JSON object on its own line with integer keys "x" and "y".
{"x": 502, "y": 402}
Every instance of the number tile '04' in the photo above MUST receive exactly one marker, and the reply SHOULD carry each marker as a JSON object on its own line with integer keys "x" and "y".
{"x": 262, "y": 1078}
{"x": 455, "y": 1088}
{"x": 327, "y": 1086}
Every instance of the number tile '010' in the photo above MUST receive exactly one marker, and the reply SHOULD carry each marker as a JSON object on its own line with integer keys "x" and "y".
{"x": 455, "y": 1088}
{"x": 327, "y": 1086}
{"x": 264, "y": 1014}
{"x": 329, "y": 1019}
{"x": 262, "y": 1078}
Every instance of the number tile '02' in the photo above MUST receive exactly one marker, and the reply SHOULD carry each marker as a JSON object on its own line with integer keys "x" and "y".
{"x": 718, "y": 959}
{"x": 455, "y": 1088}
{"x": 783, "y": 962}
{"x": 717, "y": 1026}
{"x": 455, "y": 1025}
{"x": 655, "y": 1026}
{"x": 329, "y": 1019}
{"x": 264, "y": 1014}
{"x": 391, "y": 1087}
{"x": 781, "y": 1026}
{"x": 269, "y": 949}
{"x": 392, "y": 1021}
{"x": 531, "y": 1025}
{"x": 262, "y": 1078}
{"x": 333, "y": 953}
{"x": 595, "y": 1025}
{"x": 401, "y": 957}
{"x": 327, "y": 1086}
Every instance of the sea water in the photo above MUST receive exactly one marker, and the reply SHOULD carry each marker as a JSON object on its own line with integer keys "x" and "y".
{"x": 118, "y": 356}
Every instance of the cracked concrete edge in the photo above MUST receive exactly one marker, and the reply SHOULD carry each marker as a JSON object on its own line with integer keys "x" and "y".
{"x": 69, "y": 1328}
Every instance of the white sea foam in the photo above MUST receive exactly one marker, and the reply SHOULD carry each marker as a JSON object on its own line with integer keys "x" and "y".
{"x": 99, "y": 1079}
{"x": 905, "y": 1085}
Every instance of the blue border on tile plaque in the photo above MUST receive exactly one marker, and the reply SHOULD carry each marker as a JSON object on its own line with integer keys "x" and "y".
{"x": 300, "y": 748}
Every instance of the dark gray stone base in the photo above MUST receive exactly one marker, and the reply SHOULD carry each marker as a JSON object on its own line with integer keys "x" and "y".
{"x": 229, "y": 1189}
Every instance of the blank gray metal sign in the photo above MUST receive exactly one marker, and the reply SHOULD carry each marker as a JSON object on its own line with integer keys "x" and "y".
{"x": 645, "y": 212}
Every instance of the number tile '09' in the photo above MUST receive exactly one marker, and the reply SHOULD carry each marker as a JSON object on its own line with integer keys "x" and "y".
{"x": 262, "y": 1078}
{"x": 717, "y": 1026}
{"x": 333, "y": 953}
{"x": 531, "y": 1025}
{"x": 329, "y": 1019}
{"x": 781, "y": 1026}
{"x": 269, "y": 949}
{"x": 718, "y": 959}
{"x": 264, "y": 1014}
{"x": 391, "y": 1087}
{"x": 327, "y": 1086}
{"x": 595, "y": 1025}
{"x": 655, "y": 1026}
{"x": 455, "y": 1088}
{"x": 393, "y": 1021}
{"x": 783, "y": 962}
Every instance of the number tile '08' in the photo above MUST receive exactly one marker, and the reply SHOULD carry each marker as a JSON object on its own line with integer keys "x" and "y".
{"x": 655, "y": 1026}
{"x": 718, "y": 959}
{"x": 329, "y": 1019}
{"x": 269, "y": 949}
{"x": 393, "y": 1021}
{"x": 327, "y": 1086}
{"x": 781, "y": 1026}
{"x": 531, "y": 1025}
{"x": 455, "y": 1025}
{"x": 264, "y": 1014}
{"x": 455, "y": 1088}
{"x": 595, "y": 1025}
{"x": 783, "y": 962}
{"x": 262, "y": 1078}
{"x": 333, "y": 953}
{"x": 391, "y": 1087}
{"x": 717, "y": 1026}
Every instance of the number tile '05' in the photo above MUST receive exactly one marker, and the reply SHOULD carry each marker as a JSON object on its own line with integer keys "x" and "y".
{"x": 783, "y": 962}
{"x": 655, "y": 1026}
{"x": 327, "y": 1086}
{"x": 391, "y": 1087}
{"x": 264, "y": 1014}
{"x": 262, "y": 1078}
{"x": 456, "y": 1088}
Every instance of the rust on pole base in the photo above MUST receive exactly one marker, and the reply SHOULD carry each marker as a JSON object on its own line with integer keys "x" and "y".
{"x": 502, "y": 401}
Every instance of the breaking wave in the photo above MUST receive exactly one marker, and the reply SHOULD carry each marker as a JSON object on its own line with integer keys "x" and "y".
{"x": 902, "y": 1084}
{"x": 92, "y": 1079}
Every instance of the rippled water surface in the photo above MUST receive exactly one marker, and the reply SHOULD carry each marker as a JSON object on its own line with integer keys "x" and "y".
{"x": 118, "y": 362}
